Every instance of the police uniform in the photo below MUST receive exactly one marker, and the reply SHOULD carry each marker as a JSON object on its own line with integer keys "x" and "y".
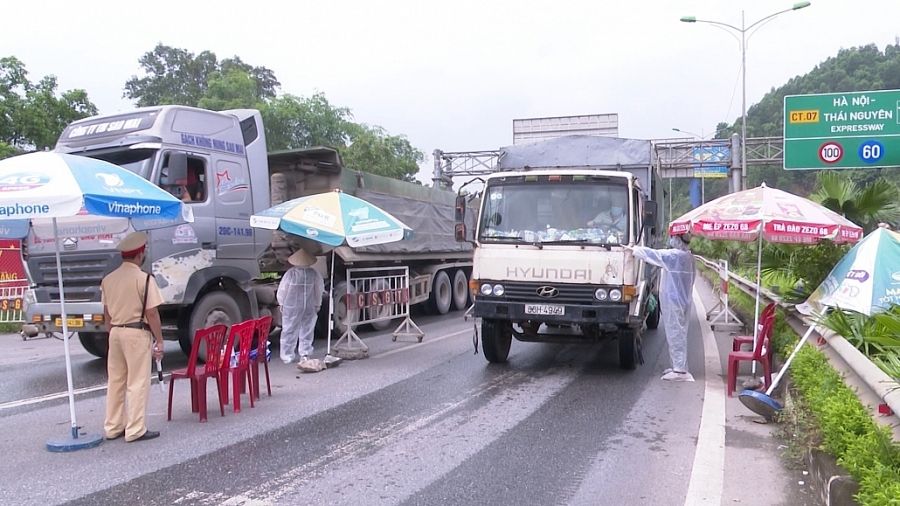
{"x": 130, "y": 341}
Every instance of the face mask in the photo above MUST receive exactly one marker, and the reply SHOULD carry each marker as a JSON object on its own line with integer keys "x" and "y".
{"x": 676, "y": 243}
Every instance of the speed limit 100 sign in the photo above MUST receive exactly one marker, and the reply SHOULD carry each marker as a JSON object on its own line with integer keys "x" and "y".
{"x": 831, "y": 152}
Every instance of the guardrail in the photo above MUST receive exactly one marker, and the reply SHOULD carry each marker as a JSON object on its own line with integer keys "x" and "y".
{"x": 882, "y": 386}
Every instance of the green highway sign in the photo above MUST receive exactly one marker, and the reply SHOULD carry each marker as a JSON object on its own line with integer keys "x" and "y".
{"x": 842, "y": 130}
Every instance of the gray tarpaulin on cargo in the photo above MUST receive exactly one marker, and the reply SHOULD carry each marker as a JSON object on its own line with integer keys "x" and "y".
{"x": 582, "y": 151}
{"x": 432, "y": 224}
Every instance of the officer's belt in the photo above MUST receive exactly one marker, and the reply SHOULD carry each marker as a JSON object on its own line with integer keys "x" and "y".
{"x": 135, "y": 325}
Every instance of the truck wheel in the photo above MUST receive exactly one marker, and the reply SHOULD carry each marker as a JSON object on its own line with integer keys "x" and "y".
{"x": 380, "y": 311}
{"x": 95, "y": 343}
{"x": 441, "y": 293}
{"x": 496, "y": 338}
{"x": 213, "y": 309}
{"x": 343, "y": 316}
{"x": 460, "y": 290}
{"x": 629, "y": 348}
{"x": 653, "y": 318}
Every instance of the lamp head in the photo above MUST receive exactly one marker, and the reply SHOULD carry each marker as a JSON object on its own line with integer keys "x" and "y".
{"x": 800, "y": 5}
{"x": 693, "y": 19}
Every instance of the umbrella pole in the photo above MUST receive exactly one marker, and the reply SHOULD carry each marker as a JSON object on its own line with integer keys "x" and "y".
{"x": 72, "y": 442}
{"x": 65, "y": 331}
{"x": 330, "y": 305}
{"x": 756, "y": 308}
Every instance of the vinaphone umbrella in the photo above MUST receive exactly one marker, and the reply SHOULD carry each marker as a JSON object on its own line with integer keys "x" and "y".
{"x": 335, "y": 219}
{"x": 764, "y": 213}
{"x": 47, "y": 185}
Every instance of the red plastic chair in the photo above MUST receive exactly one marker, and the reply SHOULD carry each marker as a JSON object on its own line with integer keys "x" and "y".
{"x": 212, "y": 337}
{"x": 263, "y": 327}
{"x": 761, "y": 353}
{"x": 767, "y": 311}
{"x": 240, "y": 372}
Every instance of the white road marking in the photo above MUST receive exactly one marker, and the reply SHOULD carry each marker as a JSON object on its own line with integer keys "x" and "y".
{"x": 96, "y": 388}
{"x": 419, "y": 345}
{"x": 708, "y": 471}
{"x": 49, "y": 397}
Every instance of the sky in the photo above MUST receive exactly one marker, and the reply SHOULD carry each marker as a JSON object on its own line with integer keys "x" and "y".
{"x": 452, "y": 75}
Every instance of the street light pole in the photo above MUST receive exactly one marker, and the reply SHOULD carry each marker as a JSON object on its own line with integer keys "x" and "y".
{"x": 739, "y": 181}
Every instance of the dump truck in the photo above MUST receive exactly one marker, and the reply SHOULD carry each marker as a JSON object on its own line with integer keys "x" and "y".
{"x": 549, "y": 263}
{"x": 218, "y": 269}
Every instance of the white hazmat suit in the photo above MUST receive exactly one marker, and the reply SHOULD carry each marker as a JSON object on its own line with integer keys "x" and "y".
{"x": 300, "y": 296}
{"x": 675, "y": 296}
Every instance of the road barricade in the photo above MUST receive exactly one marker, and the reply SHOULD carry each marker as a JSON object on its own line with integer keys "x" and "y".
{"x": 721, "y": 317}
{"x": 380, "y": 295}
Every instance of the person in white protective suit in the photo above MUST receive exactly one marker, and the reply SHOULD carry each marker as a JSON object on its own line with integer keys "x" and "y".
{"x": 675, "y": 295}
{"x": 300, "y": 296}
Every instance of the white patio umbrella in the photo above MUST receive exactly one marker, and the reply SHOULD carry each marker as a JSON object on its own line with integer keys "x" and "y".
{"x": 54, "y": 185}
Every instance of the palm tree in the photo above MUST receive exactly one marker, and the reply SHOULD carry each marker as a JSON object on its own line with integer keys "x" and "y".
{"x": 866, "y": 205}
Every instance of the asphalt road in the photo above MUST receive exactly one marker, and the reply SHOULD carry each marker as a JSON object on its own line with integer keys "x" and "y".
{"x": 415, "y": 423}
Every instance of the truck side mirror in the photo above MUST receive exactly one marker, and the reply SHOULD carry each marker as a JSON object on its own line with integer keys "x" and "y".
{"x": 650, "y": 214}
{"x": 459, "y": 232}
{"x": 460, "y": 208}
{"x": 176, "y": 168}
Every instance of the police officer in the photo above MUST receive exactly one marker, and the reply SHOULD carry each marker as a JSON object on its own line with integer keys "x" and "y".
{"x": 131, "y": 336}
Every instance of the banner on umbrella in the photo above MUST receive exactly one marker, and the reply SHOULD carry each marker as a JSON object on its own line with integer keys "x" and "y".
{"x": 52, "y": 185}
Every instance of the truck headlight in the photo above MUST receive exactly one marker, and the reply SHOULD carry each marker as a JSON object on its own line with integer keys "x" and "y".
{"x": 486, "y": 289}
{"x": 498, "y": 290}
{"x": 615, "y": 295}
{"x": 601, "y": 294}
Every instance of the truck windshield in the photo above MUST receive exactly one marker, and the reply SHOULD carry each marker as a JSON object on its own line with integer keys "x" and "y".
{"x": 139, "y": 161}
{"x": 535, "y": 210}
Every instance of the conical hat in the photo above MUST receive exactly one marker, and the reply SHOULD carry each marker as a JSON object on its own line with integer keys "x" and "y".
{"x": 301, "y": 258}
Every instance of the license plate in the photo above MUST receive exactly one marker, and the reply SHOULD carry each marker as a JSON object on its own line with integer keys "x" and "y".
{"x": 70, "y": 322}
{"x": 545, "y": 309}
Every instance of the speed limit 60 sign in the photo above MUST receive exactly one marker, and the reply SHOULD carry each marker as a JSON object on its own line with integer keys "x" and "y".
{"x": 842, "y": 130}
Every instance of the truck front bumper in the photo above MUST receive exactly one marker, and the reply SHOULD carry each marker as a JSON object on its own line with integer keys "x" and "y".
{"x": 81, "y": 316}
{"x": 605, "y": 314}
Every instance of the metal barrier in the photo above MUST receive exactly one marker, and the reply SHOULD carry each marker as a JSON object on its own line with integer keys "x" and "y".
{"x": 380, "y": 294}
{"x": 12, "y": 307}
{"x": 721, "y": 317}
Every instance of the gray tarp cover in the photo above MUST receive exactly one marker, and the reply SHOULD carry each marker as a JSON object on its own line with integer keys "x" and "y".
{"x": 583, "y": 151}
{"x": 577, "y": 151}
{"x": 432, "y": 224}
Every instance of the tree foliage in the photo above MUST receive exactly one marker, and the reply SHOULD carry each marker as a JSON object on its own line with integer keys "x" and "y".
{"x": 866, "y": 205}
{"x": 33, "y": 114}
{"x": 371, "y": 149}
{"x": 177, "y": 76}
{"x": 295, "y": 122}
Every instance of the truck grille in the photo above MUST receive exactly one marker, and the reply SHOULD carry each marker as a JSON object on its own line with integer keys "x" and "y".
{"x": 568, "y": 294}
{"x": 82, "y": 273}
